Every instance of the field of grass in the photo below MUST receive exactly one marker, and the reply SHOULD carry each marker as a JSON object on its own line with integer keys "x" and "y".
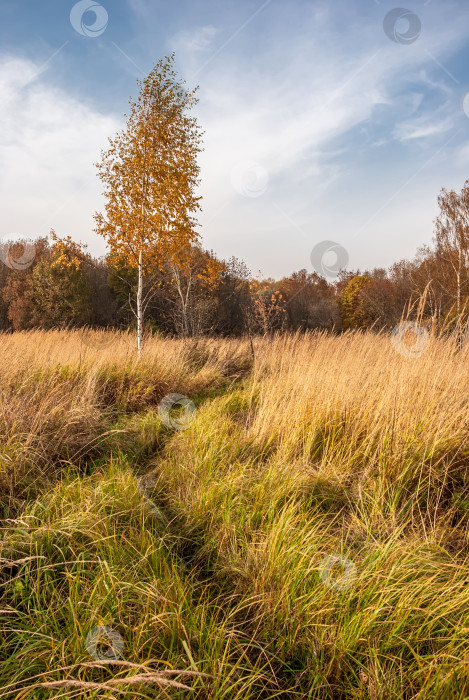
{"x": 304, "y": 533}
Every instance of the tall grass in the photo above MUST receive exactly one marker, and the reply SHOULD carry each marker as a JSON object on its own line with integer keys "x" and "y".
{"x": 305, "y": 536}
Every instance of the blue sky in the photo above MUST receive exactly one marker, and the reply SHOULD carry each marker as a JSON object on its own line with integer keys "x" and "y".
{"x": 318, "y": 126}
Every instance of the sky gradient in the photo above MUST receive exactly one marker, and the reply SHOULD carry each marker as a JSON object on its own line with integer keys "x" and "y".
{"x": 323, "y": 120}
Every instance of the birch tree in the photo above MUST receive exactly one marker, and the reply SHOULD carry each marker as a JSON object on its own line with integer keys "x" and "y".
{"x": 193, "y": 271}
{"x": 452, "y": 242}
{"x": 150, "y": 175}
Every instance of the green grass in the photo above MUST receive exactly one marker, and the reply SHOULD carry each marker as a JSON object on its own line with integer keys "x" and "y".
{"x": 208, "y": 550}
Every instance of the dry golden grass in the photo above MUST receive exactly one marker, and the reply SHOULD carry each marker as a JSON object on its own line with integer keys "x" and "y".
{"x": 365, "y": 414}
{"x": 61, "y": 393}
{"x": 42, "y": 349}
{"x": 305, "y": 536}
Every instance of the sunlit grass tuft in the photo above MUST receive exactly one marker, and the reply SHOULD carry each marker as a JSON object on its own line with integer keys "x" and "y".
{"x": 305, "y": 536}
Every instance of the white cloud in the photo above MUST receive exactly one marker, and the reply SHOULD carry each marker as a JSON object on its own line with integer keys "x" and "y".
{"x": 48, "y": 143}
{"x": 420, "y": 128}
{"x": 295, "y": 105}
{"x": 305, "y": 90}
{"x": 197, "y": 40}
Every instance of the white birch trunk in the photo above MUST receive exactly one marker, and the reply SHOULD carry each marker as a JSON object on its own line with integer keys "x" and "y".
{"x": 139, "y": 305}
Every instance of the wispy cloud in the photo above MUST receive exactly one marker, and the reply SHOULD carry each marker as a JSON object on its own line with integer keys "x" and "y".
{"x": 339, "y": 117}
{"x": 421, "y": 128}
{"x": 196, "y": 40}
{"x": 49, "y": 141}
{"x": 307, "y": 110}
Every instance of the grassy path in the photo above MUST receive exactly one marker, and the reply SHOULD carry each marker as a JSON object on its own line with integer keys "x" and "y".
{"x": 305, "y": 536}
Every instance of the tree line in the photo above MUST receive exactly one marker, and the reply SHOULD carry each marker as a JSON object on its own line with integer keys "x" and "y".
{"x": 195, "y": 293}
{"x": 157, "y": 276}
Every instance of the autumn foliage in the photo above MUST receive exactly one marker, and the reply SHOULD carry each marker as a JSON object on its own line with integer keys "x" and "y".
{"x": 157, "y": 275}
